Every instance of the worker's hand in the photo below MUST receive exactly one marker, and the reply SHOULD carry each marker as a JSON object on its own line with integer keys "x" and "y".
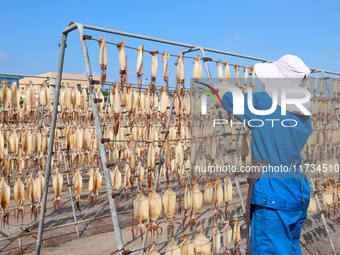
{"x": 244, "y": 89}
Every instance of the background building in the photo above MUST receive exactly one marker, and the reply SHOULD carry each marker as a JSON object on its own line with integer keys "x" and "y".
{"x": 10, "y": 78}
{"x": 70, "y": 80}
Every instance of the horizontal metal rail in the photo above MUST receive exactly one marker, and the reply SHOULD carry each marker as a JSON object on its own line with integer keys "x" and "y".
{"x": 191, "y": 46}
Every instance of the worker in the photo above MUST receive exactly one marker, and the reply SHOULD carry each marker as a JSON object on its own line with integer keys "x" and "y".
{"x": 277, "y": 200}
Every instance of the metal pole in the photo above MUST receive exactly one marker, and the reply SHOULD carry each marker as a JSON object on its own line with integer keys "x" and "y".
{"x": 313, "y": 185}
{"x": 102, "y": 151}
{"x": 68, "y": 182}
{"x": 225, "y": 138}
{"x": 106, "y": 103}
{"x": 162, "y": 154}
{"x": 322, "y": 215}
{"x": 51, "y": 140}
{"x": 329, "y": 92}
{"x": 111, "y": 31}
{"x": 333, "y": 104}
{"x": 42, "y": 116}
{"x": 165, "y": 137}
{"x": 248, "y": 250}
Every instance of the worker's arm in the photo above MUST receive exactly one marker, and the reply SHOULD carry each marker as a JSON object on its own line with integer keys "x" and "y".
{"x": 227, "y": 103}
{"x": 222, "y": 91}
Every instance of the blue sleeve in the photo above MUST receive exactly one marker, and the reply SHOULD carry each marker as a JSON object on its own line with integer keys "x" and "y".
{"x": 227, "y": 103}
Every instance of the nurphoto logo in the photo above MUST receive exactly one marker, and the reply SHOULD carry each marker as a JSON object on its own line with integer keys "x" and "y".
{"x": 238, "y": 100}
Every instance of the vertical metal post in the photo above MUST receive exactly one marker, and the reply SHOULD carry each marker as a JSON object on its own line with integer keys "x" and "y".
{"x": 248, "y": 249}
{"x": 322, "y": 215}
{"x": 333, "y": 104}
{"x": 225, "y": 138}
{"x": 102, "y": 151}
{"x": 68, "y": 182}
{"x": 51, "y": 140}
{"x": 106, "y": 103}
{"x": 42, "y": 116}
{"x": 165, "y": 137}
{"x": 161, "y": 156}
{"x": 68, "y": 178}
{"x": 329, "y": 92}
{"x": 313, "y": 186}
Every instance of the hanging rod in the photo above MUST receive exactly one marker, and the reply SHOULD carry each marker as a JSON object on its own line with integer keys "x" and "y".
{"x": 73, "y": 25}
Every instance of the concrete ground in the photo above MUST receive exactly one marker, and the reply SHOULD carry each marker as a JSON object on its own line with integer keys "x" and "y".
{"x": 97, "y": 236}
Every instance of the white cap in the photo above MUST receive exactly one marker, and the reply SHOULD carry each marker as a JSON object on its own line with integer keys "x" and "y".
{"x": 288, "y": 66}
{"x": 289, "y": 72}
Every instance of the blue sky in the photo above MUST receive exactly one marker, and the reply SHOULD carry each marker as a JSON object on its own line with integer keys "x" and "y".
{"x": 30, "y": 31}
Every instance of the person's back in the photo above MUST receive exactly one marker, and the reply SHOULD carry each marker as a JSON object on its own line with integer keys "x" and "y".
{"x": 278, "y": 140}
{"x": 279, "y": 191}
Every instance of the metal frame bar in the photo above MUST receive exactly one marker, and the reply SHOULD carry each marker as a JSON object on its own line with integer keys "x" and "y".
{"x": 310, "y": 176}
{"x": 248, "y": 249}
{"x": 51, "y": 140}
{"x": 68, "y": 182}
{"x": 80, "y": 27}
{"x": 102, "y": 151}
{"x": 190, "y": 46}
{"x": 320, "y": 207}
{"x": 162, "y": 155}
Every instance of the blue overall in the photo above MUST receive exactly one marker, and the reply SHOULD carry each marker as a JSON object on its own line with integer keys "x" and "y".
{"x": 280, "y": 199}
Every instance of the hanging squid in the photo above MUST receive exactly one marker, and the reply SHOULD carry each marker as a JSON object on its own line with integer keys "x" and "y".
{"x": 216, "y": 234}
{"x": 151, "y": 250}
{"x": 154, "y": 66}
{"x": 180, "y": 69}
{"x": 228, "y": 195}
{"x": 19, "y": 197}
{"x": 169, "y": 209}
{"x": 197, "y": 74}
{"x": 236, "y": 235}
{"x": 140, "y": 66}
{"x": 237, "y": 77}
{"x": 102, "y": 58}
{"x": 57, "y": 187}
{"x": 252, "y": 82}
{"x": 77, "y": 188}
{"x": 95, "y": 183}
{"x": 220, "y": 70}
{"x": 187, "y": 246}
{"x": 202, "y": 243}
{"x": 40, "y": 181}
{"x": 172, "y": 248}
{"x": 31, "y": 193}
{"x": 155, "y": 210}
{"x": 165, "y": 58}
{"x": 122, "y": 62}
{"x": 227, "y": 76}
{"x": 197, "y": 203}
{"x": 218, "y": 199}
{"x": 227, "y": 234}
{"x": 5, "y": 194}
{"x": 141, "y": 212}
{"x": 246, "y": 75}
{"x": 187, "y": 202}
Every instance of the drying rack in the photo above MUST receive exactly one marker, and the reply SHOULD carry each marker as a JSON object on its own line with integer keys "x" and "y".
{"x": 83, "y": 41}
